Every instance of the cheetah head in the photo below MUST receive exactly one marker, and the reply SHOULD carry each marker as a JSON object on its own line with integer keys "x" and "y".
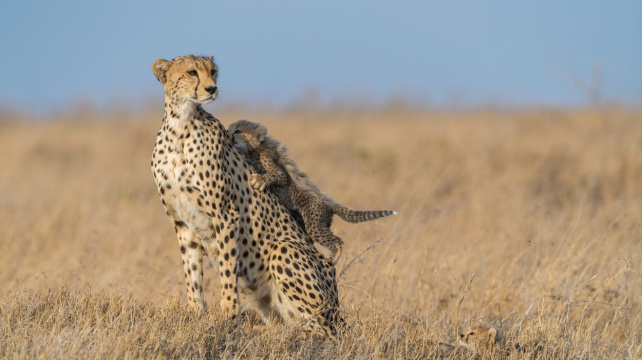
{"x": 477, "y": 337}
{"x": 246, "y": 135}
{"x": 188, "y": 80}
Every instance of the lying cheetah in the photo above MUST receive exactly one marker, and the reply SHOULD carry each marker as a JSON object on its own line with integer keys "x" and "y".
{"x": 480, "y": 337}
{"x": 293, "y": 187}
{"x": 266, "y": 261}
{"x": 486, "y": 339}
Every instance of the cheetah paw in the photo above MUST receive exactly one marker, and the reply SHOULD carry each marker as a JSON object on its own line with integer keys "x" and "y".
{"x": 257, "y": 182}
{"x": 336, "y": 255}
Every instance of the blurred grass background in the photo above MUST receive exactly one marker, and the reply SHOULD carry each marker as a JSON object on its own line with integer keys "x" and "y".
{"x": 509, "y": 217}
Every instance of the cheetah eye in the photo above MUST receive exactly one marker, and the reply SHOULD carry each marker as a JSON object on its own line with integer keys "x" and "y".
{"x": 214, "y": 72}
{"x": 472, "y": 333}
{"x": 191, "y": 72}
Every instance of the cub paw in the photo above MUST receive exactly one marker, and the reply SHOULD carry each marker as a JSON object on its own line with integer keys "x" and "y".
{"x": 257, "y": 182}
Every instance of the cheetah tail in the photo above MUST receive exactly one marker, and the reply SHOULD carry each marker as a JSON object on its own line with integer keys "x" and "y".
{"x": 357, "y": 216}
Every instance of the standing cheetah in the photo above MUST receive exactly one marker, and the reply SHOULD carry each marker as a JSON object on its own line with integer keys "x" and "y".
{"x": 293, "y": 187}
{"x": 265, "y": 260}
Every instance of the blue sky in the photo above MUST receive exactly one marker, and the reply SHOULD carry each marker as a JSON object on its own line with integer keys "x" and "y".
{"x": 438, "y": 52}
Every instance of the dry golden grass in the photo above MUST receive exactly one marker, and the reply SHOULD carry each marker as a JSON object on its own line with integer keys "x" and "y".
{"x": 522, "y": 219}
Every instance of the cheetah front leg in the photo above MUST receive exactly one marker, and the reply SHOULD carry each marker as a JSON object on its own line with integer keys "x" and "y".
{"x": 227, "y": 240}
{"x": 192, "y": 253}
{"x": 274, "y": 174}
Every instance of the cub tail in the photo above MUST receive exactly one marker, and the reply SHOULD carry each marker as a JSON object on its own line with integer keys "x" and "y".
{"x": 357, "y": 216}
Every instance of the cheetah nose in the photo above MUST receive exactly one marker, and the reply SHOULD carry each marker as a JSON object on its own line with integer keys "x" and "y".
{"x": 211, "y": 89}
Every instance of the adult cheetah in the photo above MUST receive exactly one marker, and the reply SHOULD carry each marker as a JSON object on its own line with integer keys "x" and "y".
{"x": 266, "y": 262}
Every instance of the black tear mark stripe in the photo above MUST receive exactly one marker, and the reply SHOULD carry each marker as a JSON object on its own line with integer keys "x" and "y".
{"x": 198, "y": 81}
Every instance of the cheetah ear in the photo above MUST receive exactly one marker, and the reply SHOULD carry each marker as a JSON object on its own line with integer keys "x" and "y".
{"x": 261, "y": 133}
{"x": 211, "y": 58}
{"x": 159, "y": 67}
{"x": 492, "y": 335}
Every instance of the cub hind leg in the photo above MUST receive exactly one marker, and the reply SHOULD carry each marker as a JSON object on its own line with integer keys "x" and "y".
{"x": 318, "y": 219}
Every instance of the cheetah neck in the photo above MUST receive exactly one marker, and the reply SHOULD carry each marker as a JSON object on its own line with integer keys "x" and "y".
{"x": 185, "y": 120}
{"x": 180, "y": 110}
{"x": 183, "y": 143}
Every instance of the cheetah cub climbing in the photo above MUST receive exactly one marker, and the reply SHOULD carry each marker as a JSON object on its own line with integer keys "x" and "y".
{"x": 276, "y": 169}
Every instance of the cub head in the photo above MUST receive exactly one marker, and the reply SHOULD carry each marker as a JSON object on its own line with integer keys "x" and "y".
{"x": 246, "y": 135}
{"x": 478, "y": 337}
{"x": 190, "y": 79}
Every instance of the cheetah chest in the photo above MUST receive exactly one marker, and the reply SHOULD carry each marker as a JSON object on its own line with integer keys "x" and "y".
{"x": 174, "y": 172}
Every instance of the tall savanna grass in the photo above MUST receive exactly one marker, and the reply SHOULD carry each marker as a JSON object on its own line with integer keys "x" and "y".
{"x": 528, "y": 220}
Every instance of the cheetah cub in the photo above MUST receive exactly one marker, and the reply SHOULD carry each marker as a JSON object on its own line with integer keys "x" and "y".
{"x": 480, "y": 337}
{"x": 275, "y": 169}
{"x": 487, "y": 340}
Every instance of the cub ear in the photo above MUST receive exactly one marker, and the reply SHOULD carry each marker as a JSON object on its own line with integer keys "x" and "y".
{"x": 492, "y": 335}
{"x": 261, "y": 133}
{"x": 159, "y": 67}
{"x": 211, "y": 58}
